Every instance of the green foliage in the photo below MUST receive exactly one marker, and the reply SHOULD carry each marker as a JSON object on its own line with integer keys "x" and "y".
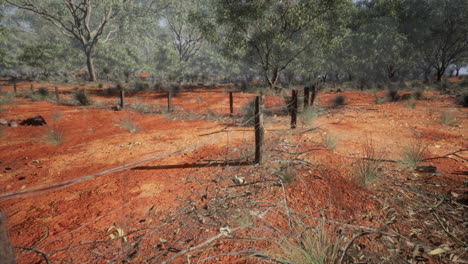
{"x": 329, "y": 140}
{"x": 43, "y": 91}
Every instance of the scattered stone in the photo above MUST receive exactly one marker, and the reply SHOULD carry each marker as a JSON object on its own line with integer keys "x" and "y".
{"x": 34, "y": 121}
{"x": 426, "y": 169}
{"x": 117, "y": 108}
{"x": 13, "y": 123}
{"x": 35, "y": 161}
{"x": 3, "y": 121}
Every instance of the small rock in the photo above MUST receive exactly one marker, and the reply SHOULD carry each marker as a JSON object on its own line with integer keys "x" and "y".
{"x": 3, "y": 121}
{"x": 35, "y": 161}
{"x": 13, "y": 123}
{"x": 117, "y": 108}
{"x": 34, "y": 121}
{"x": 426, "y": 169}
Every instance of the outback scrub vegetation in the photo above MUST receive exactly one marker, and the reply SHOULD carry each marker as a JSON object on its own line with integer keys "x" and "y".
{"x": 233, "y": 131}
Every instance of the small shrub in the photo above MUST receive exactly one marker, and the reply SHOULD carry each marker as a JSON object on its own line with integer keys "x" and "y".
{"x": 448, "y": 118}
{"x": 54, "y": 136}
{"x": 368, "y": 166}
{"x": 381, "y": 100}
{"x": 57, "y": 116}
{"x": 243, "y": 86}
{"x": 463, "y": 83}
{"x": 43, "y": 91}
{"x": 417, "y": 94}
{"x": 145, "y": 108}
{"x": 462, "y": 100}
{"x": 413, "y": 154}
{"x": 329, "y": 140}
{"x": 129, "y": 125}
{"x": 410, "y": 104}
{"x": 81, "y": 96}
{"x": 393, "y": 95}
{"x": 287, "y": 173}
{"x": 176, "y": 89}
{"x": 100, "y": 85}
{"x": 310, "y": 114}
{"x": 339, "y": 100}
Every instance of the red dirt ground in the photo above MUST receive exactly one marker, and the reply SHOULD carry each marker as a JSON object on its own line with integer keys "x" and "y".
{"x": 174, "y": 202}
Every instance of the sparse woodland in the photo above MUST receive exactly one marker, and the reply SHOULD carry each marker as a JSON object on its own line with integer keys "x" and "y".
{"x": 222, "y": 131}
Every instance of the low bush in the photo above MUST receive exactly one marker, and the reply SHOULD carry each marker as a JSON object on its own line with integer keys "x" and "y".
{"x": 339, "y": 100}
{"x": 413, "y": 154}
{"x": 82, "y": 97}
{"x": 448, "y": 118}
{"x": 54, "y": 136}
{"x": 462, "y": 99}
{"x": 367, "y": 167}
{"x": 43, "y": 91}
{"x": 392, "y": 95}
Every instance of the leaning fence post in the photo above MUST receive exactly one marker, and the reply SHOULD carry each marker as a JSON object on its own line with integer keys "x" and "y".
{"x": 57, "y": 96}
{"x": 314, "y": 94}
{"x": 294, "y": 109}
{"x": 169, "y": 101}
{"x": 231, "y": 104}
{"x": 259, "y": 129}
{"x": 306, "y": 97}
{"x": 7, "y": 253}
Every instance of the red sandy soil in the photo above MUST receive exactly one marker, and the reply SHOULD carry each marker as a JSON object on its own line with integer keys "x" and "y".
{"x": 174, "y": 202}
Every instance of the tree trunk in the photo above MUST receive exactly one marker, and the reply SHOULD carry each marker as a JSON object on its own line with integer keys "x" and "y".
{"x": 91, "y": 71}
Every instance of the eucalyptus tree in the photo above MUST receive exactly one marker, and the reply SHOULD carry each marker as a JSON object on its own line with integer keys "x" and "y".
{"x": 438, "y": 29}
{"x": 88, "y": 22}
{"x": 268, "y": 34}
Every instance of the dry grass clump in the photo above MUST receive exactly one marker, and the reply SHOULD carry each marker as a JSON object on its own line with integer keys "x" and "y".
{"x": 368, "y": 167}
{"x": 54, "y": 136}
{"x": 413, "y": 154}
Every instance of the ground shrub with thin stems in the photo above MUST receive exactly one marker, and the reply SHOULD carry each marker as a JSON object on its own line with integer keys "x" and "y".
{"x": 54, "y": 136}
{"x": 329, "y": 140}
{"x": 145, "y": 108}
{"x": 413, "y": 154}
{"x": 129, "y": 125}
{"x": 339, "y": 100}
{"x": 310, "y": 114}
{"x": 417, "y": 95}
{"x": 287, "y": 173}
{"x": 368, "y": 167}
{"x": 303, "y": 243}
{"x": 82, "y": 97}
{"x": 448, "y": 118}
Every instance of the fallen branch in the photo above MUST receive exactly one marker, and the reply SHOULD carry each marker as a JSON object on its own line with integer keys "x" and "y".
{"x": 345, "y": 250}
{"x": 446, "y": 156}
{"x": 38, "y": 251}
{"x": 203, "y": 244}
{"x": 448, "y": 232}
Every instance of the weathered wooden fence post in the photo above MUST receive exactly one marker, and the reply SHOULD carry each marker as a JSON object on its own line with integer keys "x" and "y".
{"x": 14, "y": 87}
{"x": 122, "y": 96}
{"x": 169, "y": 101}
{"x": 259, "y": 129}
{"x": 314, "y": 93}
{"x": 306, "y": 97}
{"x": 32, "y": 88}
{"x": 294, "y": 109}
{"x": 7, "y": 253}
{"x": 231, "y": 104}
{"x": 57, "y": 96}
